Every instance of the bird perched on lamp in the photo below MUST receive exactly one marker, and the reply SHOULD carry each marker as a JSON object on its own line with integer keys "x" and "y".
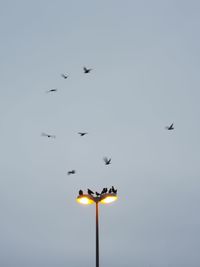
{"x": 90, "y": 192}
{"x": 80, "y": 192}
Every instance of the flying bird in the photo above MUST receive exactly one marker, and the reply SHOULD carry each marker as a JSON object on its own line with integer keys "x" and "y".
{"x": 171, "y": 127}
{"x": 80, "y": 192}
{"x": 48, "y": 135}
{"x": 52, "y": 90}
{"x": 82, "y": 133}
{"x": 64, "y": 76}
{"x": 86, "y": 70}
{"x": 71, "y": 172}
{"x": 90, "y": 192}
{"x": 107, "y": 161}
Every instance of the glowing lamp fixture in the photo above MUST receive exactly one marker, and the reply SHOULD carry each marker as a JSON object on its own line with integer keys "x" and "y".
{"x": 85, "y": 200}
{"x": 89, "y": 199}
{"x": 108, "y": 198}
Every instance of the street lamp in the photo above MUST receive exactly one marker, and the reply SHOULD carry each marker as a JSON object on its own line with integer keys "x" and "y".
{"x": 105, "y": 198}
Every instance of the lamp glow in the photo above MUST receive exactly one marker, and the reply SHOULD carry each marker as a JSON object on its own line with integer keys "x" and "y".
{"x": 108, "y": 199}
{"x": 85, "y": 200}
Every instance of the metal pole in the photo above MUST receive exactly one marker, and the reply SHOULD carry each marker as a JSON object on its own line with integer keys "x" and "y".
{"x": 97, "y": 234}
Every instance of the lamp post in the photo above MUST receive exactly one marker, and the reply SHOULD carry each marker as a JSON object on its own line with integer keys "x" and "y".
{"x": 87, "y": 199}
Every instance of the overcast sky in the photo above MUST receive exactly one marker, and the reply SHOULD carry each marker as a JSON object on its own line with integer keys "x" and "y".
{"x": 146, "y": 62}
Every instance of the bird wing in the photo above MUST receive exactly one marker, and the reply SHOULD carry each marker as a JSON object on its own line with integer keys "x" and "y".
{"x": 105, "y": 159}
{"x": 171, "y": 126}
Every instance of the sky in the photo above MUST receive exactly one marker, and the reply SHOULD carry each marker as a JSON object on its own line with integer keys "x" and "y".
{"x": 145, "y": 65}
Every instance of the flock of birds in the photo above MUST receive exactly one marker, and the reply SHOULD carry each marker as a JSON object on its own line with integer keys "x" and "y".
{"x": 104, "y": 191}
{"x": 65, "y": 76}
{"x": 106, "y": 160}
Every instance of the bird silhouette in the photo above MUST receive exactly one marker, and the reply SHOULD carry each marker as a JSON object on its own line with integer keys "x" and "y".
{"x": 114, "y": 190}
{"x": 171, "y": 127}
{"x": 110, "y": 191}
{"x": 82, "y": 133}
{"x": 107, "y": 161}
{"x": 80, "y": 192}
{"x": 52, "y": 90}
{"x": 97, "y": 194}
{"x": 104, "y": 190}
{"x": 86, "y": 70}
{"x": 64, "y": 76}
{"x": 71, "y": 172}
{"x": 90, "y": 192}
{"x": 48, "y": 135}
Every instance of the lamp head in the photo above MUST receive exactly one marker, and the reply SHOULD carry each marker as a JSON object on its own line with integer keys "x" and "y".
{"x": 85, "y": 199}
{"x": 108, "y": 198}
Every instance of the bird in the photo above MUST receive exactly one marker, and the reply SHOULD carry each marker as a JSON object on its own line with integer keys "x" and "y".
{"x": 86, "y": 70}
{"x": 107, "y": 161}
{"x": 104, "y": 190}
{"x": 114, "y": 190}
{"x": 71, "y": 172}
{"x": 52, "y": 90}
{"x": 90, "y": 192}
{"x": 110, "y": 191}
{"x": 80, "y": 192}
{"x": 82, "y": 133}
{"x": 97, "y": 194}
{"x": 64, "y": 76}
{"x": 171, "y": 127}
{"x": 48, "y": 135}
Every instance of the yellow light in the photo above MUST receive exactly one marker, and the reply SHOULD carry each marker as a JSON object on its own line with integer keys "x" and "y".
{"x": 85, "y": 200}
{"x": 108, "y": 199}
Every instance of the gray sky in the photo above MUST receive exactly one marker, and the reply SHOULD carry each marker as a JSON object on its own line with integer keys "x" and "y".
{"x": 145, "y": 60}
